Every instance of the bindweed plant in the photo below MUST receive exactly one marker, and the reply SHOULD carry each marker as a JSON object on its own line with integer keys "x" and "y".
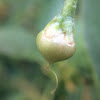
{"x": 56, "y": 41}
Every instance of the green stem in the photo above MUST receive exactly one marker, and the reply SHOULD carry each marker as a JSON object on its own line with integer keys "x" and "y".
{"x": 69, "y": 8}
{"x": 68, "y": 12}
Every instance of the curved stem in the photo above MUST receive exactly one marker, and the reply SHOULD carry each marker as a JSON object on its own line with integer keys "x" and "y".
{"x": 53, "y": 91}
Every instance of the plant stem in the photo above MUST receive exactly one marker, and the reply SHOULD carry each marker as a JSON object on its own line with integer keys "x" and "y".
{"x": 68, "y": 12}
{"x": 54, "y": 90}
{"x": 69, "y": 8}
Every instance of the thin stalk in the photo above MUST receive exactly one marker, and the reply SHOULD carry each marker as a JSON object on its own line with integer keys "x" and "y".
{"x": 69, "y": 8}
{"x": 68, "y": 12}
{"x": 54, "y": 90}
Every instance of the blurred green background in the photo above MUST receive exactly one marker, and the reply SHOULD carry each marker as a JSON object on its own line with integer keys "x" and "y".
{"x": 23, "y": 72}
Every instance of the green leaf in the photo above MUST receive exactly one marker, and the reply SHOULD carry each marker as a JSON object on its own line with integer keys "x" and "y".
{"x": 15, "y": 42}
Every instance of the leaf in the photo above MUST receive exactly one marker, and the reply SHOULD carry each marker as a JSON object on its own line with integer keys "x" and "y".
{"x": 15, "y": 42}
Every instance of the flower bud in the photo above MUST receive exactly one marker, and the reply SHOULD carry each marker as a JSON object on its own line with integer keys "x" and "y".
{"x": 54, "y": 43}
